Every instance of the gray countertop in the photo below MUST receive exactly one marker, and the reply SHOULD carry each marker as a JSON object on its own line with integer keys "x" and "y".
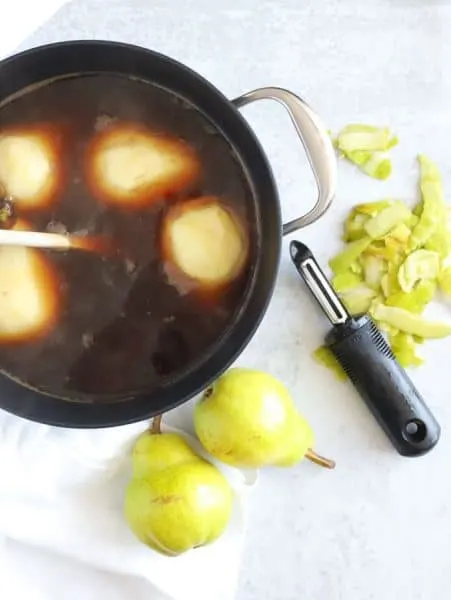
{"x": 379, "y": 527}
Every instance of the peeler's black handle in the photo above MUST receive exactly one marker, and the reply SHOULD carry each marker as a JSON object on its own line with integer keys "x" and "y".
{"x": 384, "y": 385}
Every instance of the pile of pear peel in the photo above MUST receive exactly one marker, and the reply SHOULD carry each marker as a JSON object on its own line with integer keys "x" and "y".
{"x": 397, "y": 259}
{"x": 177, "y": 500}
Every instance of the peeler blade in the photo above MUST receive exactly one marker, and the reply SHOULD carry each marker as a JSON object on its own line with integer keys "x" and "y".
{"x": 318, "y": 284}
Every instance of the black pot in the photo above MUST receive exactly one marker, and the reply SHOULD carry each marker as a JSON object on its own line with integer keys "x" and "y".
{"x": 69, "y": 58}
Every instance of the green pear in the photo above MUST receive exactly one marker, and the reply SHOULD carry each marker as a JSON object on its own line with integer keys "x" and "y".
{"x": 247, "y": 418}
{"x": 153, "y": 452}
{"x": 176, "y": 500}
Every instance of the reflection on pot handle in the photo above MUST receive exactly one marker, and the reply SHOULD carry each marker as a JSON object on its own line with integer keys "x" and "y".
{"x": 317, "y": 145}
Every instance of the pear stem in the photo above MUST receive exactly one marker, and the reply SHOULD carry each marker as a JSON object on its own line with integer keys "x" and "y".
{"x": 155, "y": 428}
{"x": 320, "y": 460}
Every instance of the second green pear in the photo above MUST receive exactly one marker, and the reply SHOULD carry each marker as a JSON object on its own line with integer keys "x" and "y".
{"x": 176, "y": 500}
{"x": 247, "y": 418}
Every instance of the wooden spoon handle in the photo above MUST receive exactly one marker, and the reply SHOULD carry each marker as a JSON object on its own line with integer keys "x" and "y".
{"x": 34, "y": 239}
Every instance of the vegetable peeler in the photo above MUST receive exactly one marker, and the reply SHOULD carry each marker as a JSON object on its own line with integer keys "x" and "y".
{"x": 370, "y": 364}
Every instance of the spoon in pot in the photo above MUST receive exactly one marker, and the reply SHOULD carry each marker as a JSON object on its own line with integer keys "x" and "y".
{"x": 56, "y": 241}
{"x": 51, "y": 240}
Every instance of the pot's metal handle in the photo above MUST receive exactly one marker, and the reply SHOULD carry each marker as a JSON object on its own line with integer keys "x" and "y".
{"x": 317, "y": 145}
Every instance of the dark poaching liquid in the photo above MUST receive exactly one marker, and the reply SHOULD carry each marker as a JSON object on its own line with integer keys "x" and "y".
{"x": 123, "y": 326}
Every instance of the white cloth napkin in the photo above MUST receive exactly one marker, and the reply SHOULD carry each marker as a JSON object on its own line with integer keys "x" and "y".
{"x": 62, "y": 491}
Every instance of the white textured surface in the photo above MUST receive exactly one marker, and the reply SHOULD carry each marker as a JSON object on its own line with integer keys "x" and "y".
{"x": 20, "y": 18}
{"x": 380, "y": 526}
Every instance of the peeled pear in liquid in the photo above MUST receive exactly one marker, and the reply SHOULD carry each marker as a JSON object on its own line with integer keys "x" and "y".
{"x": 204, "y": 241}
{"x": 29, "y": 170}
{"x": 29, "y": 299}
{"x": 131, "y": 166}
